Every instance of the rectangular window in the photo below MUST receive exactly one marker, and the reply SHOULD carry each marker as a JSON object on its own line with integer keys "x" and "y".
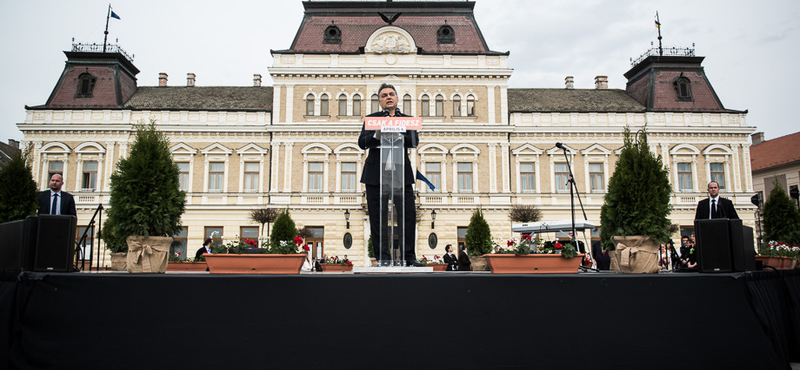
{"x": 439, "y": 106}
{"x": 180, "y": 244}
{"x": 527, "y": 177}
{"x": 597, "y": 177}
{"x": 89, "y": 175}
{"x": 183, "y": 175}
{"x": 342, "y": 105}
{"x": 323, "y": 105}
{"x": 456, "y": 106}
{"x": 374, "y": 103}
{"x": 215, "y": 233}
{"x": 471, "y": 106}
{"x": 55, "y": 168}
{"x": 251, "y": 171}
{"x": 310, "y": 106}
{"x": 718, "y": 174}
{"x": 216, "y": 175}
{"x": 461, "y": 237}
{"x": 426, "y": 106}
{"x": 248, "y": 232}
{"x": 464, "y": 177}
{"x": 315, "y": 172}
{"x": 407, "y": 104}
{"x": 685, "y": 177}
{"x": 562, "y": 177}
{"x": 357, "y": 106}
{"x": 433, "y": 171}
{"x": 349, "y": 177}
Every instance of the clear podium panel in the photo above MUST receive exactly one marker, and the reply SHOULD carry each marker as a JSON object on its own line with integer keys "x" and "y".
{"x": 392, "y": 243}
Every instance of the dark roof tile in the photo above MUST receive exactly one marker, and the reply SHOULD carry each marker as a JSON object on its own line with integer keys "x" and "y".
{"x": 571, "y": 100}
{"x": 216, "y": 98}
{"x": 775, "y": 152}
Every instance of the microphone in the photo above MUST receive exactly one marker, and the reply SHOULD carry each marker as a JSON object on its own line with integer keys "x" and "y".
{"x": 561, "y": 146}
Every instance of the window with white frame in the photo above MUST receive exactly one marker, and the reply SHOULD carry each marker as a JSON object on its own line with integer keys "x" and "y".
{"x": 183, "y": 175}
{"x": 685, "y": 177}
{"x": 596, "y": 177}
{"x": 251, "y": 175}
{"x": 407, "y": 104}
{"x": 425, "y": 103}
{"x": 349, "y": 177}
{"x": 55, "y": 167}
{"x": 527, "y": 177}
{"x": 323, "y": 105}
{"x": 375, "y": 104}
{"x": 464, "y": 176}
{"x": 471, "y": 106}
{"x": 456, "y": 106}
{"x": 357, "y": 105}
{"x": 561, "y": 177}
{"x": 433, "y": 172}
{"x": 342, "y": 104}
{"x": 718, "y": 174}
{"x": 315, "y": 174}
{"x": 216, "y": 176}
{"x": 439, "y": 106}
{"x": 310, "y": 105}
{"x": 89, "y": 176}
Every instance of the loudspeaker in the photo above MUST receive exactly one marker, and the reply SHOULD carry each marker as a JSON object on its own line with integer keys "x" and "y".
{"x": 713, "y": 245}
{"x": 55, "y": 243}
{"x": 17, "y": 244}
{"x": 742, "y": 252}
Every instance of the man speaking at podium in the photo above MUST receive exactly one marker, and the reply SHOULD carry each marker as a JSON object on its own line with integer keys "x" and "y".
{"x": 715, "y": 206}
{"x": 371, "y": 177}
{"x": 56, "y": 202}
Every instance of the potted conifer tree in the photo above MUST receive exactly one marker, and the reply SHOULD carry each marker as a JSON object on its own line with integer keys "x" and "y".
{"x": 146, "y": 201}
{"x": 17, "y": 190}
{"x": 781, "y": 230}
{"x": 478, "y": 240}
{"x": 117, "y": 246}
{"x": 634, "y": 217}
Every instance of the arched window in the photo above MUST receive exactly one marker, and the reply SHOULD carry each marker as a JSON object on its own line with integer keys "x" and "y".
{"x": 323, "y": 105}
{"x": 456, "y": 106}
{"x": 85, "y": 85}
{"x": 333, "y": 35}
{"x": 407, "y": 104}
{"x": 310, "y": 105}
{"x": 342, "y": 104}
{"x": 471, "y": 106}
{"x": 439, "y": 106}
{"x": 375, "y": 106}
{"x": 426, "y": 106}
{"x": 356, "y": 105}
{"x": 445, "y": 35}
{"x": 684, "y": 88}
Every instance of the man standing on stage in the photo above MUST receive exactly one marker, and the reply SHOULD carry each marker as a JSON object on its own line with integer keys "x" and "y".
{"x": 371, "y": 177}
{"x": 56, "y": 202}
{"x": 715, "y": 206}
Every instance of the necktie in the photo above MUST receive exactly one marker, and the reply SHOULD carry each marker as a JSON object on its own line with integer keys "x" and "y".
{"x": 54, "y": 207}
{"x": 713, "y": 208}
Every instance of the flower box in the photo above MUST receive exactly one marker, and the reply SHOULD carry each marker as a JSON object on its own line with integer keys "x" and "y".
{"x": 255, "y": 263}
{"x": 336, "y": 267}
{"x": 532, "y": 263}
{"x": 437, "y": 266}
{"x": 186, "y": 266}
{"x": 777, "y": 262}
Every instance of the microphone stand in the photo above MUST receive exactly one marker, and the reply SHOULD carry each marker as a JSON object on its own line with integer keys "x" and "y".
{"x": 573, "y": 191}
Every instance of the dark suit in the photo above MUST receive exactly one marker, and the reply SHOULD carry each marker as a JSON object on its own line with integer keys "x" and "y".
{"x": 464, "y": 264}
{"x": 451, "y": 261}
{"x": 371, "y": 177}
{"x": 200, "y": 252}
{"x": 67, "y": 203}
{"x": 600, "y": 256}
{"x": 724, "y": 210}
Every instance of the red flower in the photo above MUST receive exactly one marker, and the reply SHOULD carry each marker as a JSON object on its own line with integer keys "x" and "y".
{"x": 436, "y": 257}
{"x": 305, "y": 248}
{"x": 510, "y": 243}
{"x": 559, "y": 246}
{"x": 179, "y": 253}
{"x": 526, "y": 236}
{"x": 349, "y": 263}
{"x": 298, "y": 240}
{"x": 424, "y": 258}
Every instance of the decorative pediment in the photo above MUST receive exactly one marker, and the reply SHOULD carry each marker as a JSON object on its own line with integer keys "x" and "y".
{"x": 465, "y": 149}
{"x": 390, "y": 40}
{"x": 348, "y": 148}
{"x": 717, "y": 149}
{"x": 316, "y": 149}
{"x": 684, "y": 149}
{"x": 90, "y": 148}
{"x": 596, "y": 149}
{"x": 528, "y": 149}
{"x": 432, "y": 149}
{"x": 182, "y": 148}
{"x": 55, "y": 148}
{"x": 251, "y": 149}
{"x": 556, "y": 150}
{"x": 216, "y": 148}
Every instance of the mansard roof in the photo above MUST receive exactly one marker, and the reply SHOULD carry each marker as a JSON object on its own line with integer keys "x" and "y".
{"x": 212, "y": 98}
{"x": 775, "y": 153}
{"x": 571, "y": 100}
{"x": 358, "y": 20}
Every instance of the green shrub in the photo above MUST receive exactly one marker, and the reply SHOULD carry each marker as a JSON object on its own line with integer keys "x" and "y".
{"x": 479, "y": 237}
{"x": 283, "y": 230}
{"x": 781, "y": 218}
{"x": 18, "y": 195}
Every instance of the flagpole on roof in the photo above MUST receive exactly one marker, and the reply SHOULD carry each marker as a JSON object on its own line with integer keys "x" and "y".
{"x": 105, "y": 37}
{"x": 658, "y": 25}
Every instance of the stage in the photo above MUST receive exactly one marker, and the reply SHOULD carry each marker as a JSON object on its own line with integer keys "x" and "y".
{"x": 400, "y": 321}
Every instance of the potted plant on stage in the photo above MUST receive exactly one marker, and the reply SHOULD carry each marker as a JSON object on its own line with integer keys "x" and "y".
{"x": 779, "y": 255}
{"x": 478, "y": 240}
{"x": 781, "y": 228}
{"x": 635, "y": 211}
{"x": 331, "y": 264}
{"x": 281, "y": 256}
{"x": 146, "y": 201}
{"x": 534, "y": 256}
{"x": 436, "y": 262}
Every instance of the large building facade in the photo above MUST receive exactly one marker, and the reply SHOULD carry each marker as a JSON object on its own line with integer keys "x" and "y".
{"x": 294, "y": 144}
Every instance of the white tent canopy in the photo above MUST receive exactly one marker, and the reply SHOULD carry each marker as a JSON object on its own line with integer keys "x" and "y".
{"x": 551, "y": 226}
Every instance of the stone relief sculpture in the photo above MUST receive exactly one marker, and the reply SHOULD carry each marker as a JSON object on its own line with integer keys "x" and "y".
{"x": 391, "y": 43}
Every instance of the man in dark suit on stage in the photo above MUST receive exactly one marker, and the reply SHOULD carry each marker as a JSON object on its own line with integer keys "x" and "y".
{"x": 371, "y": 177}
{"x": 715, "y": 206}
{"x": 56, "y": 202}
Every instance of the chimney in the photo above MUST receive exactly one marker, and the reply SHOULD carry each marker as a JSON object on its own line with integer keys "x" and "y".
{"x": 601, "y": 82}
{"x": 13, "y": 143}
{"x": 757, "y": 137}
{"x": 570, "y": 82}
{"x": 190, "y": 79}
{"x": 162, "y": 79}
{"x": 256, "y": 80}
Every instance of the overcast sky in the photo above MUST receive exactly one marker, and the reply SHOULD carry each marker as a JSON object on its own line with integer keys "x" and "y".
{"x": 751, "y": 47}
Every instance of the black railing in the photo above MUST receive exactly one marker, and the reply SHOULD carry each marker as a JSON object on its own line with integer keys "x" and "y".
{"x": 98, "y": 48}
{"x": 667, "y": 52}
{"x": 88, "y": 233}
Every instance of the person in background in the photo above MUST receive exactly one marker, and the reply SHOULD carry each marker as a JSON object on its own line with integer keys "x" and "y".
{"x": 464, "y": 264}
{"x": 600, "y": 255}
{"x": 56, "y": 202}
{"x": 450, "y": 258}
{"x": 206, "y": 248}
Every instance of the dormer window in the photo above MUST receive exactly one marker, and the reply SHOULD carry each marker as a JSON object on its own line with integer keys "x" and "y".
{"x": 445, "y": 35}
{"x": 333, "y": 35}
{"x": 85, "y": 85}
{"x": 684, "y": 88}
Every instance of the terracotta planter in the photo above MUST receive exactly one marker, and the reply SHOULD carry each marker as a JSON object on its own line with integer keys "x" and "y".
{"x": 437, "y": 266}
{"x": 148, "y": 254}
{"x": 119, "y": 261}
{"x": 335, "y": 267}
{"x": 533, "y": 263}
{"x": 186, "y": 266}
{"x": 255, "y": 263}
{"x": 635, "y": 254}
{"x": 779, "y": 263}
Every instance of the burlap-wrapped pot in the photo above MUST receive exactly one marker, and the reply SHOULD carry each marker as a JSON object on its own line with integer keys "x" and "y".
{"x": 478, "y": 263}
{"x": 635, "y": 254}
{"x": 119, "y": 261}
{"x": 148, "y": 254}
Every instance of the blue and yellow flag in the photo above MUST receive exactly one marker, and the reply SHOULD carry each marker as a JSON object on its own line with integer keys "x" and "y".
{"x": 114, "y": 15}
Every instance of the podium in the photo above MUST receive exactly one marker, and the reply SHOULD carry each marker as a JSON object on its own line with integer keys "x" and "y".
{"x": 724, "y": 245}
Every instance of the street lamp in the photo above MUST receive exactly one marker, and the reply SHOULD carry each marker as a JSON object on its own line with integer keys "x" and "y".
{"x": 347, "y": 217}
{"x": 433, "y": 218}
